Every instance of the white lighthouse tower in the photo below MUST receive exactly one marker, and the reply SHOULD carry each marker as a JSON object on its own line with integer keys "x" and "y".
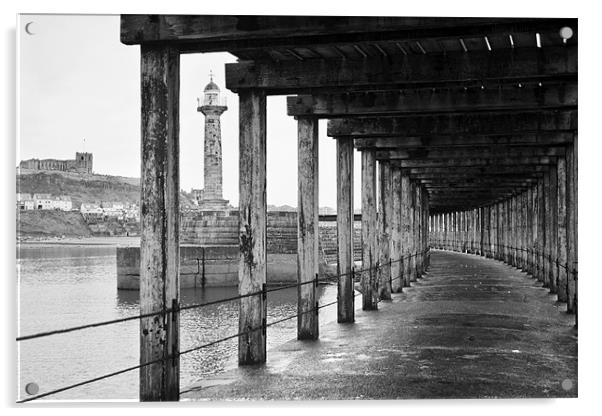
{"x": 212, "y": 106}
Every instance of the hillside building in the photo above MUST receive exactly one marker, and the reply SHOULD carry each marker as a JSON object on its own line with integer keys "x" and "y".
{"x": 82, "y": 163}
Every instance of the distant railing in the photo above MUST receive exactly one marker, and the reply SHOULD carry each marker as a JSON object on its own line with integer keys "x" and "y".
{"x": 177, "y": 309}
{"x": 502, "y": 250}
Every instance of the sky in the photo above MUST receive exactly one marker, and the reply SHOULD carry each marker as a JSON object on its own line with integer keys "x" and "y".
{"x": 87, "y": 86}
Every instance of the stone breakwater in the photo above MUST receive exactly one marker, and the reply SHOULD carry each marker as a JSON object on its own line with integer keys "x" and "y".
{"x": 209, "y": 250}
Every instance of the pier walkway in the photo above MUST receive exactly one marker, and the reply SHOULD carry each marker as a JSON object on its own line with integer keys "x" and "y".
{"x": 469, "y": 328}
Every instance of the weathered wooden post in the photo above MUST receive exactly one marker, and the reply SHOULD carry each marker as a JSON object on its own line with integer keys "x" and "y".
{"x": 524, "y": 230}
{"x": 396, "y": 231}
{"x": 506, "y": 242}
{"x": 487, "y": 212}
{"x": 534, "y": 214}
{"x": 252, "y": 226}
{"x": 575, "y": 222}
{"x": 562, "y": 231}
{"x": 307, "y": 228}
{"x": 501, "y": 230}
{"x": 444, "y": 231}
{"x": 518, "y": 225}
{"x": 461, "y": 231}
{"x": 384, "y": 219}
{"x": 418, "y": 225}
{"x": 515, "y": 242}
{"x": 528, "y": 229}
{"x": 492, "y": 221}
{"x": 345, "y": 308}
{"x": 159, "y": 222}
{"x": 414, "y": 231}
{"x": 571, "y": 223}
{"x": 547, "y": 265}
{"x": 369, "y": 281}
{"x": 541, "y": 229}
{"x": 452, "y": 231}
{"x": 406, "y": 226}
{"x": 425, "y": 238}
{"x": 473, "y": 230}
{"x": 553, "y": 213}
{"x": 534, "y": 227}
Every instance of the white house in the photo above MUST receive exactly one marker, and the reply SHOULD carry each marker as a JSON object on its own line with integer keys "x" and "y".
{"x": 25, "y": 204}
{"x": 90, "y": 209}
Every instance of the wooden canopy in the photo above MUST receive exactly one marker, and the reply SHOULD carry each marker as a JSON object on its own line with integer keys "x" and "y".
{"x": 473, "y": 108}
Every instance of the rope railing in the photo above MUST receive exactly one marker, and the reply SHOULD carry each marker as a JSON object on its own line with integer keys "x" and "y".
{"x": 165, "y": 311}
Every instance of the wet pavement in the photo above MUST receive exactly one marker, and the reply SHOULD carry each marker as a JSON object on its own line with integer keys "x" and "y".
{"x": 469, "y": 328}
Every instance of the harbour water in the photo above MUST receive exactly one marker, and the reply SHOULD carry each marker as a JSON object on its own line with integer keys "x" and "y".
{"x": 61, "y": 286}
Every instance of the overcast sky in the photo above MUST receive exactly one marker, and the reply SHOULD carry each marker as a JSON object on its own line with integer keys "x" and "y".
{"x": 88, "y": 86}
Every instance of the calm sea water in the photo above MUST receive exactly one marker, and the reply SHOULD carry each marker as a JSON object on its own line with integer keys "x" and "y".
{"x": 63, "y": 286}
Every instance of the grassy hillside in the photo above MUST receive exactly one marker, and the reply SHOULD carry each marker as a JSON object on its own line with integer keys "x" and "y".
{"x": 81, "y": 188}
{"x": 51, "y": 224}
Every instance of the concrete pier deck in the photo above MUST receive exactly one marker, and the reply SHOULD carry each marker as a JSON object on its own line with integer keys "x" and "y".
{"x": 470, "y": 328}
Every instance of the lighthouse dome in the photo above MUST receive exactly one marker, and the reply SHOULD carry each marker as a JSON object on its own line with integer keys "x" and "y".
{"x": 212, "y": 86}
{"x": 211, "y": 94}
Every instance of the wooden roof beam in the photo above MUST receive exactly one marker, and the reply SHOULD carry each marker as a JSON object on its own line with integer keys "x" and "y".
{"x": 523, "y": 140}
{"x": 475, "y": 162}
{"x": 477, "y": 152}
{"x": 206, "y": 33}
{"x": 435, "y": 100}
{"x": 481, "y": 124}
{"x": 400, "y": 71}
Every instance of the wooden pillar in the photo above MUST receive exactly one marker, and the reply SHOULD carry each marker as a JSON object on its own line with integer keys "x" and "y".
{"x": 425, "y": 230}
{"x": 463, "y": 232}
{"x": 369, "y": 281}
{"x": 515, "y": 234}
{"x": 455, "y": 231}
{"x": 533, "y": 231}
{"x": 481, "y": 231}
{"x": 553, "y": 213}
{"x": 528, "y": 227}
{"x": 384, "y": 236}
{"x": 444, "y": 231}
{"x": 406, "y": 226}
{"x": 493, "y": 233}
{"x": 414, "y": 232}
{"x": 508, "y": 234}
{"x": 159, "y": 222}
{"x": 541, "y": 230}
{"x": 419, "y": 248}
{"x": 524, "y": 231}
{"x": 452, "y": 231}
{"x": 252, "y": 225}
{"x": 562, "y": 231}
{"x": 307, "y": 228}
{"x": 468, "y": 230}
{"x": 396, "y": 231}
{"x": 473, "y": 231}
{"x": 345, "y": 308}
{"x": 518, "y": 228}
{"x": 572, "y": 224}
{"x": 486, "y": 230}
{"x": 547, "y": 265}
{"x": 437, "y": 231}
{"x": 501, "y": 230}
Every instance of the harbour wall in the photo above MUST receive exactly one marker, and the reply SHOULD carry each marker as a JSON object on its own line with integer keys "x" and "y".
{"x": 209, "y": 250}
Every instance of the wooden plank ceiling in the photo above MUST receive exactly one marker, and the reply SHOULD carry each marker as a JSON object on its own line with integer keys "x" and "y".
{"x": 476, "y": 109}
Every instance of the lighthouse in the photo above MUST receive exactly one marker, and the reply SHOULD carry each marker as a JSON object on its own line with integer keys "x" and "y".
{"x": 212, "y": 106}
